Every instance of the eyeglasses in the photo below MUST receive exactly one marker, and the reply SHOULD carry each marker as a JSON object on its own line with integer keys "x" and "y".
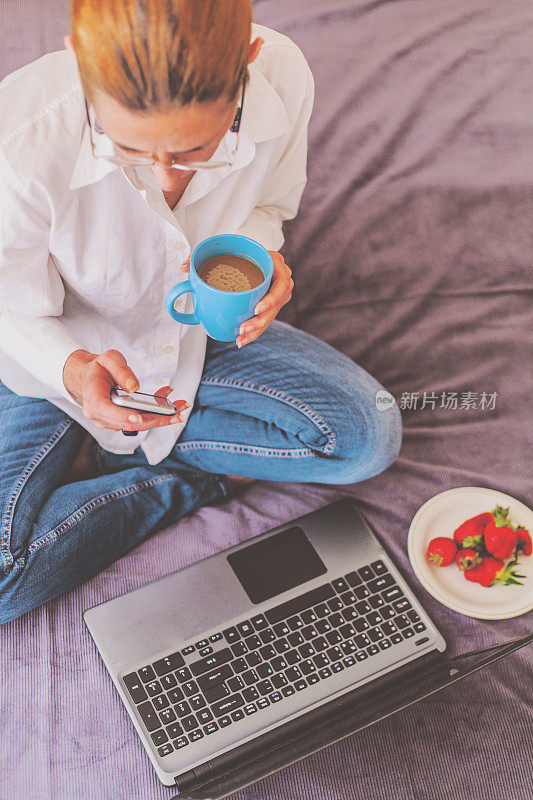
{"x": 104, "y": 147}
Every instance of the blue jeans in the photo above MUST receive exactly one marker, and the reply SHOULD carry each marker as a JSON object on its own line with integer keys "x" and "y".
{"x": 287, "y": 407}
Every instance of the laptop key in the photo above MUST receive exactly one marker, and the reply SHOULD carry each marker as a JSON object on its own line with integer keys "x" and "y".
{"x": 250, "y": 677}
{"x": 323, "y": 626}
{"x": 393, "y": 593}
{"x": 279, "y": 663}
{"x": 311, "y": 679}
{"x": 168, "y": 681}
{"x": 182, "y": 709}
{"x": 320, "y": 644}
{"x": 239, "y": 665}
{"x": 387, "y": 612}
{"x": 336, "y": 620}
{"x": 264, "y": 670}
{"x": 295, "y": 638}
{"x": 135, "y": 688}
{"x": 293, "y": 656}
{"x": 309, "y": 616}
{"x": 335, "y": 604}
{"x": 282, "y": 645}
{"x": 212, "y": 678}
{"x": 320, "y": 660}
{"x": 378, "y": 584}
{"x": 159, "y": 737}
{"x": 201, "y": 643}
{"x": 334, "y": 637}
{"x": 224, "y": 721}
{"x": 259, "y": 622}
{"x": 361, "y": 655}
{"x": 396, "y": 638}
{"x": 251, "y": 708}
{"x": 321, "y": 610}
{"x": 237, "y": 715}
{"x": 215, "y": 637}
{"x": 337, "y": 666}
{"x": 204, "y": 651}
{"x": 166, "y": 716}
{"x": 349, "y": 613}
{"x": 300, "y": 603}
{"x": 279, "y": 680}
{"x": 169, "y": 663}
{"x": 195, "y": 735}
{"x": 253, "y": 642}
{"x": 236, "y": 683}
{"x": 204, "y": 716}
{"x": 325, "y": 672}
{"x": 362, "y": 640}
{"x": 295, "y": 622}
{"x": 419, "y": 627}
{"x": 375, "y": 634}
{"x": 161, "y": 702}
{"x": 146, "y": 674}
{"x": 307, "y": 666}
{"x": 287, "y": 690}
{"x": 334, "y": 653}
{"x": 340, "y": 585}
{"x": 197, "y": 702}
{"x": 301, "y": 684}
{"x": 263, "y": 702}
{"x": 154, "y": 688}
{"x": 388, "y": 628}
{"x": 348, "y": 598}
{"x": 250, "y": 693}
{"x": 360, "y": 624}
{"x": 407, "y": 633}
{"x": 216, "y": 692}
{"x": 372, "y": 650}
{"x": 353, "y": 579}
{"x": 384, "y": 644}
{"x": 275, "y": 697}
{"x": 378, "y": 567}
{"x": 306, "y": 650}
{"x": 362, "y": 592}
{"x": 413, "y": 616}
{"x": 267, "y": 652}
{"x": 376, "y": 601}
{"x": 231, "y": 635}
{"x": 263, "y": 687}
{"x": 173, "y": 730}
{"x": 181, "y": 742}
{"x": 175, "y": 695}
{"x": 402, "y": 621}
{"x": 366, "y": 573}
{"x": 253, "y": 659}
{"x": 149, "y": 716}
{"x": 190, "y": 687}
{"x": 349, "y": 661}
{"x": 310, "y": 632}
{"x": 245, "y": 628}
{"x": 189, "y": 723}
{"x": 348, "y": 647}
{"x": 187, "y": 650}
{"x": 363, "y": 607}
{"x": 165, "y": 750}
{"x": 239, "y": 649}
{"x": 211, "y": 727}
{"x": 226, "y": 705}
{"x": 208, "y": 663}
{"x": 267, "y": 635}
{"x": 402, "y": 605}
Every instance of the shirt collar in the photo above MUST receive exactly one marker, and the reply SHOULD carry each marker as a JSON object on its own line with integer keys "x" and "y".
{"x": 264, "y": 118}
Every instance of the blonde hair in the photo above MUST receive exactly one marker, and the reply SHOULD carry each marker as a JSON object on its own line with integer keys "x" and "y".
{"x": 152, "y": 54}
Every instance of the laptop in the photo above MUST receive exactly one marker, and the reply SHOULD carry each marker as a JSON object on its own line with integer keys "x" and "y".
{"x": 268, "y": 651}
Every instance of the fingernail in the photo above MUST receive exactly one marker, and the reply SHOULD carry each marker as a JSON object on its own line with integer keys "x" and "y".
{"x": 177, "y": 418}
{"x": 258, "y": 309}
{"x": 132, "y": 386}
{"x": 172, "y": 388}
{"x": 187, "y": 405}
{"x": 135, "y": 417}
{"x": 239, "y": 344}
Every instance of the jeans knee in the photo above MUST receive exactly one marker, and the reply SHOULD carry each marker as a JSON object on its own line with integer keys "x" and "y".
{"x": 376, "y": 446}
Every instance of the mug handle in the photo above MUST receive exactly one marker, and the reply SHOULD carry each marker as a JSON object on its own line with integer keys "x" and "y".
{"x": 172, "y": 295}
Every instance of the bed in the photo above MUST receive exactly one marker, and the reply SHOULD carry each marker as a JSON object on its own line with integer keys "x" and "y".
{"x": 412, "y": 254}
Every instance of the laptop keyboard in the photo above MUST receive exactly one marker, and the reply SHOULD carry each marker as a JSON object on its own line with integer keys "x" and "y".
{"x": 241, "y": 670}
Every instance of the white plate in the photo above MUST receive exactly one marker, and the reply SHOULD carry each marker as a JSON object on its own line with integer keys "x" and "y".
{"x": 440, "y": 516}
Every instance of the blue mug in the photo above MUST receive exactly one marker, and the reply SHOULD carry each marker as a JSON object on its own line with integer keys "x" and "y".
{"x": 221, "y": 313}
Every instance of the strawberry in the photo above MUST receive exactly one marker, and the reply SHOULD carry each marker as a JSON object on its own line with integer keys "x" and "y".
{"x": 441, "y": 551}
{"x": 493, "y": 571}
{"x": 524, "y": 540}
{"x": 470, "y": 533}
{"x": 500, "y": 538}
{"x": 467, "y": 558}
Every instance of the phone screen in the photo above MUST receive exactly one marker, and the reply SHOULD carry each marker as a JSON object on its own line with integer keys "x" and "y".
{"x": 140, "y": 401}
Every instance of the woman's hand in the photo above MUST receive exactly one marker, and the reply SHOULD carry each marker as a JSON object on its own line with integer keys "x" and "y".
{"x": 267, "y": 309}
{"x": 90, "y": 377}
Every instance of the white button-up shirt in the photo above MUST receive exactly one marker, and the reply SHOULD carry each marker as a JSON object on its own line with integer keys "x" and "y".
{"x": 89, "y": 250}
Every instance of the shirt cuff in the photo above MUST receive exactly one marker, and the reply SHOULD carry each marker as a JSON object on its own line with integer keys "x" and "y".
{"x": 41, "y": 345}
{"x": 263, "y": 226}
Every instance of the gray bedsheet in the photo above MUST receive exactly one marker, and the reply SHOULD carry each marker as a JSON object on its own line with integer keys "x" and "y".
{"x": 412, "y": 254}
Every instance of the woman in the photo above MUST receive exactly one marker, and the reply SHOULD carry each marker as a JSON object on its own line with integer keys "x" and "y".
{"x": 162, "y": 123}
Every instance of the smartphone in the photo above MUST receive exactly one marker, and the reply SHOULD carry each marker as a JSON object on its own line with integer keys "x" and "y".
{"x": 154, "y": 403}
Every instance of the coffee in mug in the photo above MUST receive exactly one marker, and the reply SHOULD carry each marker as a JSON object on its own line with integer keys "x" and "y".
{"x": 230, "y": 273}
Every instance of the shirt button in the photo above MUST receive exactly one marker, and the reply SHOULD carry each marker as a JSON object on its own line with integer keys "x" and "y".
{"x": 168, "y": 349}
